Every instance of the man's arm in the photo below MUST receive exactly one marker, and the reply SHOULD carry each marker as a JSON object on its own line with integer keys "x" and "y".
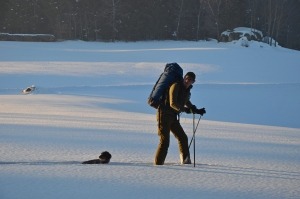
{"x": 173, "y": 97}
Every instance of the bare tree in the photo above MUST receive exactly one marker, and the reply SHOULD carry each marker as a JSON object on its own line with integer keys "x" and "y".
{"x": 214, "y": 8}
{"x": 178, "y": 20}
{"x": 274, "y": 10}
{"x": 198, "y": 18}
{"x": 114, "y": 10}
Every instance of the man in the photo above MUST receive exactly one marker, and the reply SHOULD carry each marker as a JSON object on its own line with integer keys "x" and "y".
{"x": 177, "y": 101}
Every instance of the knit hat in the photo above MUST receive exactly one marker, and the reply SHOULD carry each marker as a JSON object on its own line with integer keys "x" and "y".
{"x": 191, "y": 75}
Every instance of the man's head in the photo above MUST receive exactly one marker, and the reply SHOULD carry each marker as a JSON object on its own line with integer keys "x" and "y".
{"x": 189, "y": 79}
{"x": 191, "y": 75}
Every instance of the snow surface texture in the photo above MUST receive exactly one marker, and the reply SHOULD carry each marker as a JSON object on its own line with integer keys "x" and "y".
{"x": 91, "y": 97}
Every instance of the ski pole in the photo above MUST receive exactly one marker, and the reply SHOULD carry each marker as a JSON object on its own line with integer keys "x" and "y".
{"x": 194, "y": 130}
{"x": 194, "y": 140}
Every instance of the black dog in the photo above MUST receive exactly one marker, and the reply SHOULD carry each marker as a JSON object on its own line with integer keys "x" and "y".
{"x": 104, "y": 158}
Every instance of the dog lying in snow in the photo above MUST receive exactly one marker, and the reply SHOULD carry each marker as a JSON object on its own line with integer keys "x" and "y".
{"x": 104, "y": 158}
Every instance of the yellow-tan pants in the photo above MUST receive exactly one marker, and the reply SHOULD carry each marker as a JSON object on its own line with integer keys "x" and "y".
{"x": 168, "y": 122}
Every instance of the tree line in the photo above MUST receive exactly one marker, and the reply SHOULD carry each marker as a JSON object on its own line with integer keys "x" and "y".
{"x": 135, "y": 20}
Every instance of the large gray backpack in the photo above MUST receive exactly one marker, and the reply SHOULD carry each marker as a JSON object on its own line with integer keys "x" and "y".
{"x": 172, "y": 73}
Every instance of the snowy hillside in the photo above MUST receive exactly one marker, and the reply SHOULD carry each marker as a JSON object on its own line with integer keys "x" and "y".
{"x": 91, "y": 97}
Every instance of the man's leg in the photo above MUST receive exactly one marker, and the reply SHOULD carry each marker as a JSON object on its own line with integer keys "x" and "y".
{"x": 162, "y": 149}
{"x": 183, "y": 145}
{"x": 164, "y": 139}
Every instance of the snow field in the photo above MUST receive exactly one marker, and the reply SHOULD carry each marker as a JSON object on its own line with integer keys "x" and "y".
{"x": 91, "y": 97}
{"x": 45, "y": 137}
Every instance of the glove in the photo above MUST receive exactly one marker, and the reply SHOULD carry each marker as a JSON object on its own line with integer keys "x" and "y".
{"x": 193, "y": 108}
{"x": 187, "y": 110}
{"x": 200, "y": 111}
{"x": 190, "y": 110}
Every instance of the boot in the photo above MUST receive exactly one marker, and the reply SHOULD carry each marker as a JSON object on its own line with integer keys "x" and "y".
{"x": 187, "y": 161}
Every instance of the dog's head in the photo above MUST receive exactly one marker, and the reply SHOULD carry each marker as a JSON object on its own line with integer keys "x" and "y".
{"x": 105, "y": 157}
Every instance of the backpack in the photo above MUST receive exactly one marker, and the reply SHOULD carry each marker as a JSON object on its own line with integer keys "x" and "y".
{"x": 172, "y": 73}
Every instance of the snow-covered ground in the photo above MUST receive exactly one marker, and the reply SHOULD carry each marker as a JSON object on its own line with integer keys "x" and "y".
{"x": 91, "y": 97}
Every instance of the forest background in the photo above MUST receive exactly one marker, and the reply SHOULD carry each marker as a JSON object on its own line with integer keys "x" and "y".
{"x": 142, "y": 20}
